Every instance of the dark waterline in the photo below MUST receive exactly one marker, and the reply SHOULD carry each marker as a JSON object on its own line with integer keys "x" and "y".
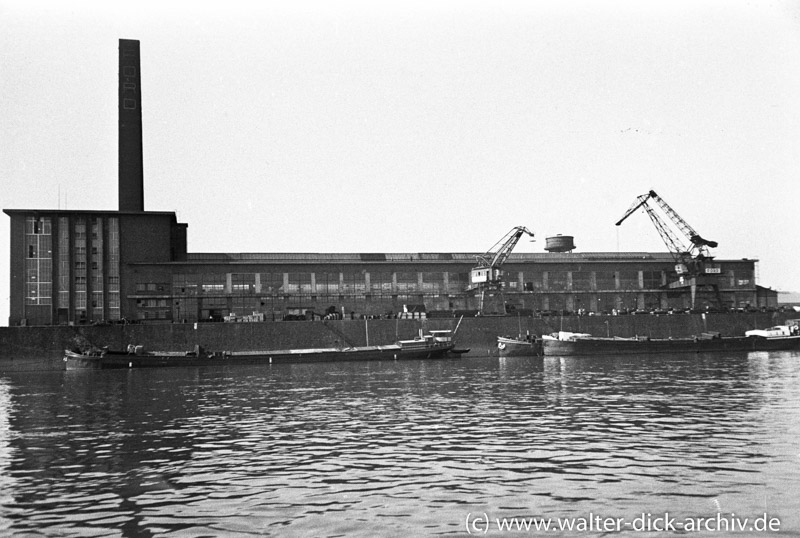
{"x": 391, "y": 448}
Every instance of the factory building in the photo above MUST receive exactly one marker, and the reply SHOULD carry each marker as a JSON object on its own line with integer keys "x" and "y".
{"x": 76, "y": 267}
{"x": 274, "y": 286}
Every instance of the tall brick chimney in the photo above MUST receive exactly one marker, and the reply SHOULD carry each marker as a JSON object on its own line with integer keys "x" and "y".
{"x": 131, "y": 170}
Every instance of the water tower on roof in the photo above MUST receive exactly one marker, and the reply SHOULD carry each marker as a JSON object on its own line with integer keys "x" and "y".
{"x": 560, "y": 243}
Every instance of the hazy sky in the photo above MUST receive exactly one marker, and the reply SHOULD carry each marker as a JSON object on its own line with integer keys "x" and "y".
{"x": 416, "y": 126}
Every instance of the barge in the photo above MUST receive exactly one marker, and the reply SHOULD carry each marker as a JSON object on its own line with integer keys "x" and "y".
{"x": 566, "y": 344}
{"x": 522, "y": 346}
{"x": 436, "y": 344}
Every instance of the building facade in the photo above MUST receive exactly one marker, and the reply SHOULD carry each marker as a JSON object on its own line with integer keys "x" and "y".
{"x": 75, "y": 267}
{"x": 66, "y": 267}
{"x": 282, "y": 286}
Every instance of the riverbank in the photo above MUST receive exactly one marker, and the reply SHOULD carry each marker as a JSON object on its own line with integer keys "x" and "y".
{"x": 41, "y": 348}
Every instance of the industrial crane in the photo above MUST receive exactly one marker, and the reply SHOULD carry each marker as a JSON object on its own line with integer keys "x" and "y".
{"x": 487, "y": 275}
{"x": 690, "y": 260}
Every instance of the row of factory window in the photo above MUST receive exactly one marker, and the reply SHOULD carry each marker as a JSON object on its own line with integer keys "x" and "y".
{"x": 363, "y": 282}
{"x": 274, "y": 308}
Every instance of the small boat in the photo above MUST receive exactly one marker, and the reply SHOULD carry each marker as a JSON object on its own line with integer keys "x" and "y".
{"x": 521, "y": 346}
{"x": 434, "y": 345}
{"x": 565, "y": 344}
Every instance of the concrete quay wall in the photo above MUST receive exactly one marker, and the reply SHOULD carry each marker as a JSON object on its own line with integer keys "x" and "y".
{"x": 41, "y": 348}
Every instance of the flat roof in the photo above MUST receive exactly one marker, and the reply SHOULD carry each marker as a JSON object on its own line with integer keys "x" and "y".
{"x": 245, "y": 258}
{"x": 86, "y": 211}
{"x": 417, "y": 256}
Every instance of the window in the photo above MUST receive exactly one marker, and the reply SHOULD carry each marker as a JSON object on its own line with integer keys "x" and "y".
{"x": 79, "y": 267}
{"x": 406, "y": 281}
{"x": 532, "y": 280}
{"x": 271, "y": 282}
{"x": 380, "y": 282}
{"x": 743, "y": 278}
{"x": 582, "y": 281}
{"x": 327, "y": 283}
{"x": 243, "y": 283}
{"x": 606, "y": 280}
{"x": 39, "y": 262}
{"x": 184, "y": 284}
{"x": 113, "y": 269}
{"x": 629, "y": 280}
{"x": 557, "y": 280}
{"x": 457, "y": 282}
{"x": 299, "y": 283}
{"x": 354, "y": 282}
{"x": 433, "y": 282}
{"x": 63, "y": 262}
{"x": 213, "y": 283}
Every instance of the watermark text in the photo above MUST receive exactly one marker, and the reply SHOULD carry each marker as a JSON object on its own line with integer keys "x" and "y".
{"x": 481, "y": 523}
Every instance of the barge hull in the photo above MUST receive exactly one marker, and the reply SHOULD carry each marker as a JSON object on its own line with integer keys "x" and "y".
{"x": 112, "y": 359}
{"x": 611, "y": 346}
{"x": 514, "y": 347}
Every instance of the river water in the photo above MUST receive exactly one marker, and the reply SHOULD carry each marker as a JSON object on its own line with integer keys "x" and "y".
{"x": 453, "y": 447}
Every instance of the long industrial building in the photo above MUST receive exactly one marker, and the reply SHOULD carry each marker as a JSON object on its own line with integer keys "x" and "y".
{"x": 75, "y": 267}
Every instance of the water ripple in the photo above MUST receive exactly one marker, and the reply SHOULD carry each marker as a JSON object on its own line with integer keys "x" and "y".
{"x": 396, "y": 448}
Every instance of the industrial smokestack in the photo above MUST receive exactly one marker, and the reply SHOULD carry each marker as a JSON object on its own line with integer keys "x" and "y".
{"x": 131, "y": 170}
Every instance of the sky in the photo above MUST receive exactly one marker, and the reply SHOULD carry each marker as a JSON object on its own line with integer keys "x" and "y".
{"x": 431, "y": 126}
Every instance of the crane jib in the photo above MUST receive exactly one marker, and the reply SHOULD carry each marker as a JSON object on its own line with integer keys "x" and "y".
{"x": 690, "y": 261}
{"x": 487, "y": 275}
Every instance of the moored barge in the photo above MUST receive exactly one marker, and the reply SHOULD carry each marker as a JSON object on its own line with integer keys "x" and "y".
{"x": 565, "y": 344}
{"x": 518, "y": 347}
{"x": 434, "y": 345}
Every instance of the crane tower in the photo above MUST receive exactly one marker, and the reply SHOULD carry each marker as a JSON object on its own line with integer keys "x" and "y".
{"x": 690, "y": 258}
{"x": 487, "y": 276}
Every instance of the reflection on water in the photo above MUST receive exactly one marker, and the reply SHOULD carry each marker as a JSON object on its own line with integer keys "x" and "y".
{"x": 6, "y": 480}
{"x": 395, "y": 448}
